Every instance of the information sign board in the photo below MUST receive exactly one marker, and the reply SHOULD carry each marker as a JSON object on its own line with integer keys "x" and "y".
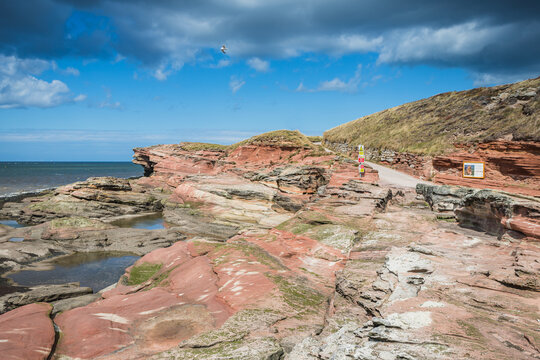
{"x": 473, "y": 170}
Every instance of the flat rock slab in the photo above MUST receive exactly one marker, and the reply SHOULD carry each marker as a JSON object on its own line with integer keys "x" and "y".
{"x": 26, "y": 333}
{"x": 42, "y": 293}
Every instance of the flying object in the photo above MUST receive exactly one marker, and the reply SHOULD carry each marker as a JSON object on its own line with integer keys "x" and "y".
{"x": 224, "y": 49}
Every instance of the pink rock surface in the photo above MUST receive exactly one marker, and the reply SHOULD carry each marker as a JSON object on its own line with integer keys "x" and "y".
{"x": 26, "y": 333}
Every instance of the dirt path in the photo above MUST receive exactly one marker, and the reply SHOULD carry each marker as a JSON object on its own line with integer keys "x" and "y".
{"x": 391, "y": 177}
{"x": 395, "y": 178}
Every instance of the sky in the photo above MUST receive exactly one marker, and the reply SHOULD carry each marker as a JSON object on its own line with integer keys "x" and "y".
{"x": 84, "y": 80}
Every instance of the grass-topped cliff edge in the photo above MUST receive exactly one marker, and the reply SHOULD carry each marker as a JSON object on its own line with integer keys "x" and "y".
{"x": 432, "y": 126}
{"x": 291, "y": 138}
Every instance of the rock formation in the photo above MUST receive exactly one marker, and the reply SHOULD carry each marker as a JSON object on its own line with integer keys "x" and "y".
{"x": 276, "y": 249}
{"x": 493, "y": 212}
{"x": 431, "y": 138}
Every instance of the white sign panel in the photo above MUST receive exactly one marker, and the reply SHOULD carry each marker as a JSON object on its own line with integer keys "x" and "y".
{"x": 473, "y": 170}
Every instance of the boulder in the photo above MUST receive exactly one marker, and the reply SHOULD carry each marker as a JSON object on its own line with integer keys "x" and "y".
{"x": 27, "y": 333}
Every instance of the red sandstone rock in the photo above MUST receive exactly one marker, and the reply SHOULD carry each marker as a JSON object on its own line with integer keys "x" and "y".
{"x": 141, "y": 321}
{"x": 512, "y": 166}
{"x": 291, "y": 273}
{"x": 26, "y": 333}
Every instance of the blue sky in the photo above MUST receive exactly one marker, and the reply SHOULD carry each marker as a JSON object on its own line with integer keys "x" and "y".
{"x": 91, "y": 80}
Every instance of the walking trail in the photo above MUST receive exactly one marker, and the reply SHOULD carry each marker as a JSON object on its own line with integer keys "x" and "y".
{"x": 395, "y": 178}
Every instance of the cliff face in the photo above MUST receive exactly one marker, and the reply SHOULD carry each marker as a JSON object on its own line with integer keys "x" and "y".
{"x": 431, "y": 138}
{"x": 512, "y": 166}
{"x": 275, "y": 249}
{"x": 169, "y": 165}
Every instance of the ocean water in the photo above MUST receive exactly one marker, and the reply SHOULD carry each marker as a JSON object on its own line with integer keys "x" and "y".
{"x": 18, "y": 177}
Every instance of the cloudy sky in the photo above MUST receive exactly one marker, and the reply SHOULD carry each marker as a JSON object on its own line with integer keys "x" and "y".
{"x": 89, "y": 80}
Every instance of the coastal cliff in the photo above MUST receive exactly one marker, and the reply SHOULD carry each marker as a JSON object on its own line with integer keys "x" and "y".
{"x": 275, "y": 248}
{"x": 431, "y": 138}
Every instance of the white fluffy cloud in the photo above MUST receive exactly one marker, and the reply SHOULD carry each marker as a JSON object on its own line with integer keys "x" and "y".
{"x": 19, "y": 86}
{"x": 336, "y": 84}
{"x": 29, "y": 91}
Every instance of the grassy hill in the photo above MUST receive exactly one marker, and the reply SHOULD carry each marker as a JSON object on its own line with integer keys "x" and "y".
{"x": 431, "y": 126}
{"x": 279, "y": 137}
{"x": 292, "y": 138}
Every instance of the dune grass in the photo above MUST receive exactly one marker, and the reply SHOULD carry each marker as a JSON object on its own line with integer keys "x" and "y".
{"x": 432, "y": 126}
{"x": 278, "y": 137}
{"x": 198, "y": 146}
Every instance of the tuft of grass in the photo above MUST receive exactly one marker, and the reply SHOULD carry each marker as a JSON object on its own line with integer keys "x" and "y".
{"x": 142, "y": 273}
{"x": 315, "y": 139}
{"x": 294, "y": 139}
{"x": 197, "y": 146}
{"x": 432, "y": 126}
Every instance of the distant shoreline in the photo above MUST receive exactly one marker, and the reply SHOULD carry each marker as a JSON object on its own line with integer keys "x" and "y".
{"x": 20, "y": 179}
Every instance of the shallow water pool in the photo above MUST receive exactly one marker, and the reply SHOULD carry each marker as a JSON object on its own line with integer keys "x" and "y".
{"x": 12, "y": 223}
{"x": 149, "y": 222}
{"x": 96, "y": 270}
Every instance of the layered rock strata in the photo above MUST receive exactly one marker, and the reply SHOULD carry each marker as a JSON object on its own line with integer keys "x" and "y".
{"x": 496, "y": 213}
{"x": 277, "y": 256}
{"x": 511, "y": 166}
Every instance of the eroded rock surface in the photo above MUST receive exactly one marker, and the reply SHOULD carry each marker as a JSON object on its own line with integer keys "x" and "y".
{"x": 27, "y": 333}
{"x": 491, "y": 211}
{"x": 274, "y": 250}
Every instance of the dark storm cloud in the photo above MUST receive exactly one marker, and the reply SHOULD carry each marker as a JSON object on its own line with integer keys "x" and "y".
{"x": 486, "y": 37}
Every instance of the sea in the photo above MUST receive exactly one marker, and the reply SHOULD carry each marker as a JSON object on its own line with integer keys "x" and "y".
{"x": 20, "y": 177}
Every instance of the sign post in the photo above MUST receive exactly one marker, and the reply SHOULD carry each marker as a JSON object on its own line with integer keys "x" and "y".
{"x": 361, "y": 160}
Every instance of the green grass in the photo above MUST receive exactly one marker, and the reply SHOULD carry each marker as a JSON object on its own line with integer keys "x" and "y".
{"x": 297, "y": 295}
{"x": 279, "y": 137}
{"x": 287, "y": 138}
{"x": 142, "y": 273}
{"x": 197, "y": 146}
{"x": 315, "y": 139}
{"x": 432, "y": 126}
